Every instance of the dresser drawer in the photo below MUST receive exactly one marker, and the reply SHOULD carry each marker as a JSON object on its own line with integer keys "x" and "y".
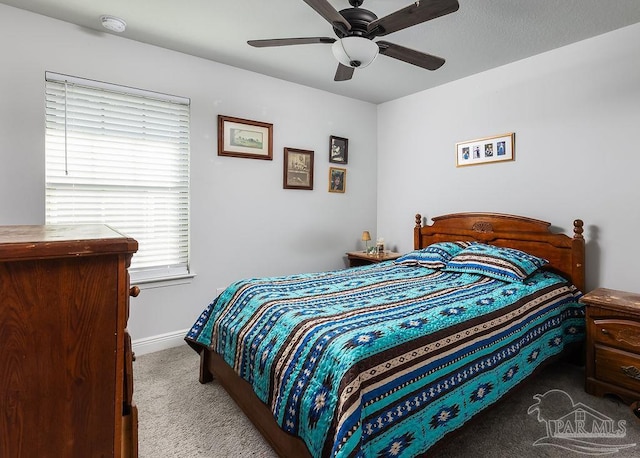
{"x": 618, "y": 367}
{"x": 618, "y": 333}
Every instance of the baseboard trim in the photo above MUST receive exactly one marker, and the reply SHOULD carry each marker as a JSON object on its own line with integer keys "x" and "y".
{"x": 159, "y": 342}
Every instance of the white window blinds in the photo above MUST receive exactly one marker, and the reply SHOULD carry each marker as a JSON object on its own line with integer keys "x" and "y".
{"x": 120, "y": 156}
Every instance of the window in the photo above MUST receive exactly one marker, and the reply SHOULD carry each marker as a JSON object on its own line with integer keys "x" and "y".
{"x": 120, "y": 156}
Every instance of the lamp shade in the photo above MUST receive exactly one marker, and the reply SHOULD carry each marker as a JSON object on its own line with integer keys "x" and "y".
{"x": 366, "y": 236}
{"x": 356, "y": 52}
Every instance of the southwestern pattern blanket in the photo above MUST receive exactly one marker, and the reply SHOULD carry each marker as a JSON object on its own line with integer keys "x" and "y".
{"x": 384, "y": 360}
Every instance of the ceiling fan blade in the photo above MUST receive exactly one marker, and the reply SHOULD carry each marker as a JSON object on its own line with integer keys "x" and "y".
{"x": 343, "y": 73}
{"x": 289, "y": 41}
{"x": 324, "y": 9}
{"x": 410, "y": 56}
{"x": 416, "y": 13}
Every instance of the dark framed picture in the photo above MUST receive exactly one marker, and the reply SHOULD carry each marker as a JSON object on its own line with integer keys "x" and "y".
{"x": 338, "y": 150}
{"x": 245, "y": 138}
{"x": 337, "y": 179}
{"x": 298, "y": 169}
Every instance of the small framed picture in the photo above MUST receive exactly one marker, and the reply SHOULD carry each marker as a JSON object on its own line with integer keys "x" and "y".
{"x": 337, "y": 179}
{"x": 298, "y": 169}
{"x": 338, "y": 150}
{"x": 245, "y": 138}
{"x": 485, "y": 150}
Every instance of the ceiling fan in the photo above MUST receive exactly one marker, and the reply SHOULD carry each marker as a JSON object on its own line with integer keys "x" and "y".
{"x": 356, "y": 28}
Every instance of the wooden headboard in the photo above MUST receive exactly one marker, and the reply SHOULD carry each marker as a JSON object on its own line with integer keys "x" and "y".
{"x": 566, "y": 255}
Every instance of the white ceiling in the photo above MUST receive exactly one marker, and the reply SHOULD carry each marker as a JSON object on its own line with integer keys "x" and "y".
{"x": 482, "y": 34}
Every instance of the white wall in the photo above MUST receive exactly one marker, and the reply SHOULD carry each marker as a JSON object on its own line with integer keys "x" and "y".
{"x": 242, "y": 222}
{"x": 576, "y": 114}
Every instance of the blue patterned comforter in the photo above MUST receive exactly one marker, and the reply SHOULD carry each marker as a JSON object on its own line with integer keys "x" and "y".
{"x": 384, "y": 360}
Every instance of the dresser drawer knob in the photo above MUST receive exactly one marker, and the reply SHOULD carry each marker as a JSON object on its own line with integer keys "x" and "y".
{"x": 134, "y": 291}
{"x": 604, "y": 331}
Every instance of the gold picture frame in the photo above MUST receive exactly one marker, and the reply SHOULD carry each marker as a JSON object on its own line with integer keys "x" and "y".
{"x": 337, "y": 179}
{"x": 486, "y": 150}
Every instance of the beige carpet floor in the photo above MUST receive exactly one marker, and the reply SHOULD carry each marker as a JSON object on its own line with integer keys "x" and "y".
{"x": 179, "y": 417}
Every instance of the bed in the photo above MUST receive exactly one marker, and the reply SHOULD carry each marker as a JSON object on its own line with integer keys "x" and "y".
{"x": 391, "y": 358}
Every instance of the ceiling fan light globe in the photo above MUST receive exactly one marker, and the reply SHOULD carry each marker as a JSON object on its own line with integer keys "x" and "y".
{"x": 355, "y": 52}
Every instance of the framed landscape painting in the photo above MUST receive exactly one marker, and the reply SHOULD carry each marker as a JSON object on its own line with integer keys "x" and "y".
{"x": 245, "y": 138}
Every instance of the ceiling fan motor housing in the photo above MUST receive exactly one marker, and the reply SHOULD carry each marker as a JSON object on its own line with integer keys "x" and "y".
{"x": 359, "y": 18}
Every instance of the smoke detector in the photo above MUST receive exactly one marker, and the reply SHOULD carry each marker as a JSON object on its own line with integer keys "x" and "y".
{"x": 115, "y": 24}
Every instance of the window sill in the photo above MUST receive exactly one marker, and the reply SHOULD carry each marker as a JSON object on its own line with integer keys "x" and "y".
{"x": 161, "y": 282}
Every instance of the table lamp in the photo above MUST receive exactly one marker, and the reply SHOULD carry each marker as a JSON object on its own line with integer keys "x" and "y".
{"x": 365, "y": 238}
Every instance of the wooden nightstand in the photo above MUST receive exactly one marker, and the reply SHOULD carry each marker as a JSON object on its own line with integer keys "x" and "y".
{"x": 613, "y": 344}
{"x": 360, "y": 258}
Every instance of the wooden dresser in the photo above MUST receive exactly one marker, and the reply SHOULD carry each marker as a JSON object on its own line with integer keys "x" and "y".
{"x": 66, "y": 381}
{"x": 613, "y": 344}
